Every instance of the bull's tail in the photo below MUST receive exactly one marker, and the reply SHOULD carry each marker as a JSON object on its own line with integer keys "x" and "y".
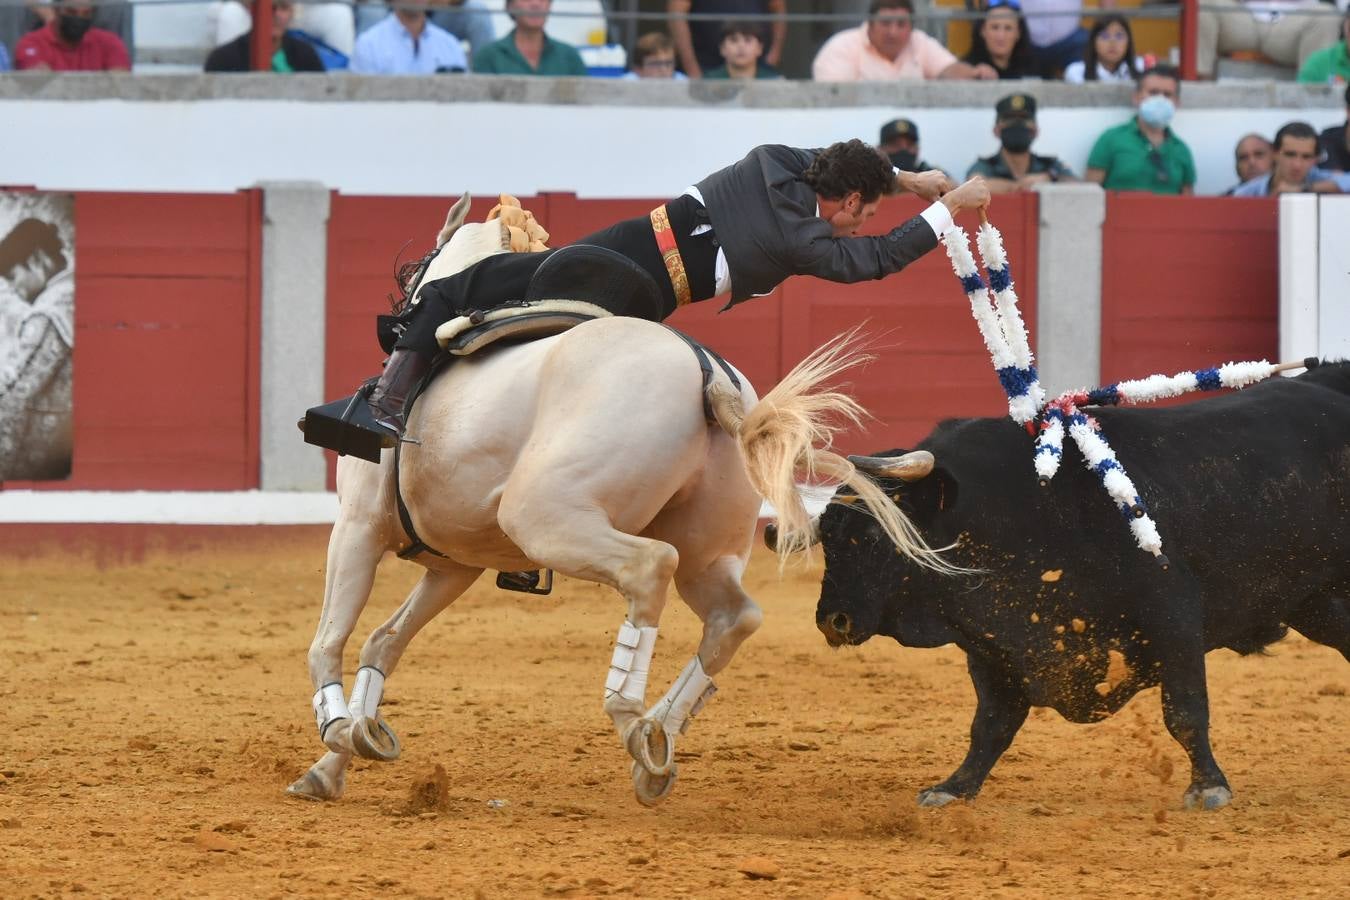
{"x": 791, "y": 429}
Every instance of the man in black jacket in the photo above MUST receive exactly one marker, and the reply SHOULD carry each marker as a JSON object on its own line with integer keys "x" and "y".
{"x": 289, "y": 53}
{"x": 741, "y": 231}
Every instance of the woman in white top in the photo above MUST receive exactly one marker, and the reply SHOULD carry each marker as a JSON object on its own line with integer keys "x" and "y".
{"x": 1109, "y": 55}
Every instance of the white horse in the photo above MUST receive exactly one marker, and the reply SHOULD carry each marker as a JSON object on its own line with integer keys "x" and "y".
{"x": 587, "y": 453}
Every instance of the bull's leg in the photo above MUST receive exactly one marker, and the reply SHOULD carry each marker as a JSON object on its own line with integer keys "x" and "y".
{"x": 729, "y": 616}
{"x": 354, "y": 551}
{"x": 371, "y": 737}
{"x": 1326, "y": 620}
{"x": 1185, "y": 704}
{"x": 1000, "y": 709}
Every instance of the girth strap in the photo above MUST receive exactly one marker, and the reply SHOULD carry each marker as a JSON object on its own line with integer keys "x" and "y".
{"x": 418, "y": 546}
{"x": 702, "y": 354}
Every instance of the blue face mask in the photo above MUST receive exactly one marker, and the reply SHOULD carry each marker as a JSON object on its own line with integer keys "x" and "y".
{"x": 1157, "y": 111}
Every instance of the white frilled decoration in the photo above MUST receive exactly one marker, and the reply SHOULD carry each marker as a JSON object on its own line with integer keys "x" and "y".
{"x": 1005, "y": 336}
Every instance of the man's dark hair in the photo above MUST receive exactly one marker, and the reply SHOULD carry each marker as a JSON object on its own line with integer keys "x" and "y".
{"x": 849, "y": 166}
{"x": 878, "y": 5}
{"x": 742, "y": 27}
{"x": 1294, "y": 130}
{"x": 1161, "y": 71}
{"x": 27, "y": 238}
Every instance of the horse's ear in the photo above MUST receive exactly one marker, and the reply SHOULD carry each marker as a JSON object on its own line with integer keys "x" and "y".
{"x": 455, "y": 218}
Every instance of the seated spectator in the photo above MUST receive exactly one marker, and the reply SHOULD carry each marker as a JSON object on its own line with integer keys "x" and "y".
{"x": 1251, "y": 158}
{"x": 741, "y": 49}
{"x": 1144, "y": 154}
{"x": 1330, "y": 65}
{"x": 1109, "y": 55}
{"x": 468, "y": 20}
{"x": 900, "y": 142}
{"x": 1000, "y": 40}
{"x": 1335, "y": 142}
{"x": 699, "y": 42}
{"x": 1294, "y": 170}
{"x": 526, "y": 49}
{"x": 289, "y": 53}
{"x": 887, "y": 48}
{"x": 653, "y": 56}
{"x": 1225, "y": 26}
{"x": 1056, "y": 40}
{"x": 4, "y": 59}
{"x": 1015, "y": 167}
{"x": 18, "y": 17}
{"x": 70, "y": 43}
{"x": 327, "y": 25}
{"x": 406, "y": 43}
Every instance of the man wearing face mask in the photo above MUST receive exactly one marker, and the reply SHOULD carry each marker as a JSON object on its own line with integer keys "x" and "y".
{"x": 1144, "y": 154}
{"x": 69, "y": 43}
{"x": 1015, "y": 167}
{"x": 900, "y": 142}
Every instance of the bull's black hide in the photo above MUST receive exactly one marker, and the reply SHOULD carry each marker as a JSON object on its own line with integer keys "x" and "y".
{"x": 1250, "y": 492}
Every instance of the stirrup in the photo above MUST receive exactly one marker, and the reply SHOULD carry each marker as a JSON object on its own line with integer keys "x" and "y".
{"x": 347, "y": 426}
{"x": 525, "y": 582}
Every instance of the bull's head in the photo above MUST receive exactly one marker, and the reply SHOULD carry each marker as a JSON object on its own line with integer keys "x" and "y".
{"x": 864, "y": 576}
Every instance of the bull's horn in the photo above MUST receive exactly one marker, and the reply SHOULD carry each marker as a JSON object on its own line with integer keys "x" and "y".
{"x": 911, "y": 466}
{"x": 455, "y": 218}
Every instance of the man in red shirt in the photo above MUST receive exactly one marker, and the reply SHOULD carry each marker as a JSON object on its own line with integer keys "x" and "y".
{"x": 68, "y": 43}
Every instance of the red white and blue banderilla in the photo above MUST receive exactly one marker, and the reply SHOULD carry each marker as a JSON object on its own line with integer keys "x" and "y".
{"x": 1005, "y": 336}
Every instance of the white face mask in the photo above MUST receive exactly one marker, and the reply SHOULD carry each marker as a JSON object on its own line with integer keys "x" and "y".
{"x": 1157, "y": 111}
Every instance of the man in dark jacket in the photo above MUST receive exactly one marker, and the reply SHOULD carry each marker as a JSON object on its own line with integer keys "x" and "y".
{"x": 289, "y": 53}
{"x": 741, "y": 231}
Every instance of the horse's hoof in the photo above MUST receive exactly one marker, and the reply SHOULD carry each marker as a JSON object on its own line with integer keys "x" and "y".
{"x": 373, "y": 739}
{"x": 648, "y": 744}
{"x": 650, "y": 789}
{"x": 1208, "y": 799}
{"x": 935, "y": 798}
{"x": 310, "y": 786}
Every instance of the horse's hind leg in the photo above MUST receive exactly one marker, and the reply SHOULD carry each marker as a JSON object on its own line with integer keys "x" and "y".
{"x": 371, "y": 737}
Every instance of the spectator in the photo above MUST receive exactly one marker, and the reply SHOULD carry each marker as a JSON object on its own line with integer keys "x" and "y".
{"x": 653, "y": 56}
{"x": 699, "y": 42}
{"x": 4, "y": 59}
{"x": 323, "y": 25}
{"x": 1330, "y": 65}
{"x": 1109, "y": 55}
{"x": 1228, "y": 25}
{"x": 1143, "y": 154}
{"x": 900, "y": 142}
{"x": 1251, "y": 158}
{"x": 404, "y": 42}
{"x": 1294, "y": 170}
{"x": 1000, "y": 40}
{"x": 1335, "y": 142}
{"x": 18, "y": 17}
{"x": 887, "y": 48}
{"x": 741, "y": 49}
{"x": 70, "y": 43}
{"x": 289, "y": 53}
{"x": 468, "y": 20}
{"x": 35, "y": 371}
{"x": 526, "y": 49}
{"x": 1015, "y": 167}
{"x": 1056, "y": 40}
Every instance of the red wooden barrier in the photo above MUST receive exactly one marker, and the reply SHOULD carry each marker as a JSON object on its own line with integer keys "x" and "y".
{"x": 167, "y": 313}
{"x": 1187, "y": 282}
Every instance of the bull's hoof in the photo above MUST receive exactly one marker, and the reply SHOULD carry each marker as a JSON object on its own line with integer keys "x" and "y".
{"x": 647, "y": 742}
{"x": 934, "y": 798}
{"x": 373, "y": 739}
{"x": 651, "y": 789}
{"x": 313, "y": 786}
{"x": 1208, "y": 798}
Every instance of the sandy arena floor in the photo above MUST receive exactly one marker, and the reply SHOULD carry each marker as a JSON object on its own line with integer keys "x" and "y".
{"x": 155, "y": 707}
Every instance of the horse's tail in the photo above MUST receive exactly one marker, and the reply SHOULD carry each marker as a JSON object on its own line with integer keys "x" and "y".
{"x": 791, "y": 429}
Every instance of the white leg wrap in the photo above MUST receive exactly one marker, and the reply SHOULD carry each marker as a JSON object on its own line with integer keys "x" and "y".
{"x": 367, "y": 691}
{"x": 329, "y": 706}
{"x": 631, "y": 662}
{"x": 684, "y": 699}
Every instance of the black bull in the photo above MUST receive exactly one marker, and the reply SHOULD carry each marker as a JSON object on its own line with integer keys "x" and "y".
{"x": 1250, "y": 492}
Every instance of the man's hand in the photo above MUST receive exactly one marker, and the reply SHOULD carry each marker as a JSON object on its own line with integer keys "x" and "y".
{"x": 930, "y": 185}
{"x": 973, "y": 194}
{"x": 985, "y": 72}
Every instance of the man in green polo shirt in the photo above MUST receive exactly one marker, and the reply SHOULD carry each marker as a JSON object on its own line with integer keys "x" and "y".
{"x": 1332, "y": 64}
{"x": 1144, "y": 154}
{"x": 527, "y": 50}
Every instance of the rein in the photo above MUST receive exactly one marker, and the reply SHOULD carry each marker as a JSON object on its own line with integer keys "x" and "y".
{"x": 1005, "y": 336}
